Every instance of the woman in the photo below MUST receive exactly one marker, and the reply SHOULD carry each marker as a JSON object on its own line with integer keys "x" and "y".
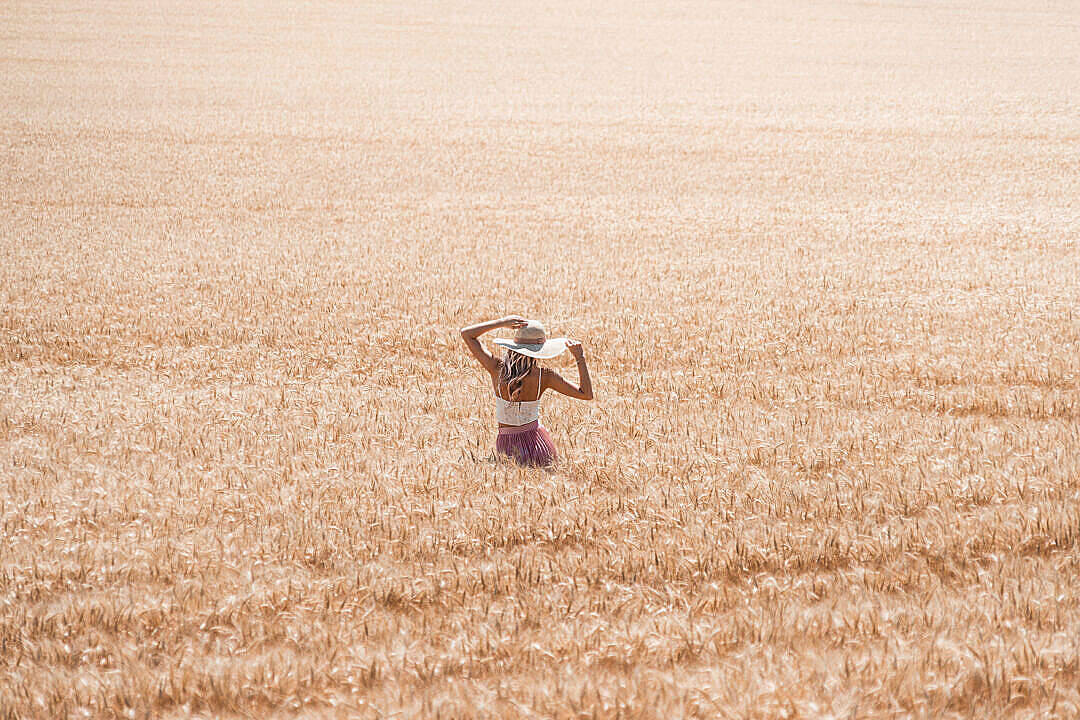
{"x": 519, "y": 381}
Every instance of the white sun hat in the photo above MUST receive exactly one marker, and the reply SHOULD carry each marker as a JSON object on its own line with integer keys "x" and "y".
{"x": 532, "y": 340}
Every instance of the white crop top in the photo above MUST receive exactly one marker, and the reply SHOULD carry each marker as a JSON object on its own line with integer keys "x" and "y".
{"x": 515, "y": 412}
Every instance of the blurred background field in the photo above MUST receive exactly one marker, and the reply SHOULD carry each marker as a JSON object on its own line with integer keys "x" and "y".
{"x": 822, "y": 256}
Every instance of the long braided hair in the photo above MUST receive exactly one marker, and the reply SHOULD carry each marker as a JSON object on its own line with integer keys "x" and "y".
{"x": 513, "y": 371}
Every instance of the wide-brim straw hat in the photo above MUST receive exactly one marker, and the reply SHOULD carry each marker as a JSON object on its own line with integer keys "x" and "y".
{"x": 532, "y": 340}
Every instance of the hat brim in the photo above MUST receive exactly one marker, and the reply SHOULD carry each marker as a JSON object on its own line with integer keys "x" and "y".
{"x": 541, "y": 351}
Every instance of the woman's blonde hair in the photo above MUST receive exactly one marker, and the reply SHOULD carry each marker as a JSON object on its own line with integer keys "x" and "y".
{"x": 513, "y": 371}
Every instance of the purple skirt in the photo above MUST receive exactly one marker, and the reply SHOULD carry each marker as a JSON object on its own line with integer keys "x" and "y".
{"x": 528, "y": 444}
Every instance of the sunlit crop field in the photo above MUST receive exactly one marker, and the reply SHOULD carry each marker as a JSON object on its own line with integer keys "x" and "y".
{"x": 823, "y": 258}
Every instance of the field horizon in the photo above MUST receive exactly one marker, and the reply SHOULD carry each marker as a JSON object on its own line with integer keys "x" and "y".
{"x": 823, "y": 261}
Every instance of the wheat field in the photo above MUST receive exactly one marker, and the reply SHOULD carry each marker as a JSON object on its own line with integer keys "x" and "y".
{"x": 823, "y": 260}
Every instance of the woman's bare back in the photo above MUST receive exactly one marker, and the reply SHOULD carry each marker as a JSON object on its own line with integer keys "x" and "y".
{"x": 531, "y": 386}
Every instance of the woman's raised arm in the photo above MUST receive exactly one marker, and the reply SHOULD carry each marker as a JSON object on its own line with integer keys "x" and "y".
{"x": 583, "y": 391}
{"x": 471, "y": 336}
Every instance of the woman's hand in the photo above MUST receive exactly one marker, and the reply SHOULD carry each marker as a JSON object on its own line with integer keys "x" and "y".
{"x": 574, "y": 346}
{"x": 513, "y": 321}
